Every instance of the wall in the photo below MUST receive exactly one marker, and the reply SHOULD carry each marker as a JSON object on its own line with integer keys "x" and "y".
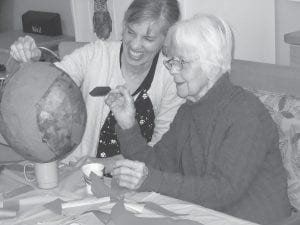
{"x": 259, "y": 26}
{"x": 252, "y": 21}
{"x": 12, "y": 10}
{"x": 83, "y": 14}
{"x": 287, "y": 20}
{"x": 258, "y": 36}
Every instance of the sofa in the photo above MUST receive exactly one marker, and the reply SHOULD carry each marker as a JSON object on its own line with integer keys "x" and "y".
{"x": 278, "y": 87}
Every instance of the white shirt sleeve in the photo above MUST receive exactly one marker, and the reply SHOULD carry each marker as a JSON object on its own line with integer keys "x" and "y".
{"x": 76, "y": 64}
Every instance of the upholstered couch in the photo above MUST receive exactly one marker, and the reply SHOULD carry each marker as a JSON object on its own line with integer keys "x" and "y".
{"x": 278, "y": 87}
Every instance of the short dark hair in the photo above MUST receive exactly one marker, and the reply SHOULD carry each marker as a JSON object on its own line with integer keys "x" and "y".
{"x": 147, "y": 10}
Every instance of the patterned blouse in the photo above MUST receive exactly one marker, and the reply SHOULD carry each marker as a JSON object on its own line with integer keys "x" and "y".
{"x": 108, "y": 141}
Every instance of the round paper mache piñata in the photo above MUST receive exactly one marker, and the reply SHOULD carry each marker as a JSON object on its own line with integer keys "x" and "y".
{"x": 42, "y": 112}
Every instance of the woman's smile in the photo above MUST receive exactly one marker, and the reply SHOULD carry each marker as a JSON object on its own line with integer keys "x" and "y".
{"x": 135, "y": 54}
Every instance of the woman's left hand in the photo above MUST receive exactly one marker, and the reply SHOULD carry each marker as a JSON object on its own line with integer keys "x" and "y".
{"x": 121, "y": 104}
{"x": 130, "y": 174}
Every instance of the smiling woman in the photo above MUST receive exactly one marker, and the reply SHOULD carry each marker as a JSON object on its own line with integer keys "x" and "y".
{"x": 135, "y": 62}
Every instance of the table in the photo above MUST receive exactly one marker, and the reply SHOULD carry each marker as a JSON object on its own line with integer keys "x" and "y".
{"x": 51, "y": 42}
{"x": 72, "y": 189}
{"x": 7, "y": 39}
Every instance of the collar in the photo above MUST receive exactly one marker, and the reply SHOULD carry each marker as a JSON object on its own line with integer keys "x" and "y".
{"x": 217, "y": 94}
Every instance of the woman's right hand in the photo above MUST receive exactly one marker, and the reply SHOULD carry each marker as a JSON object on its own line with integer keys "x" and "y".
{"x": 24, "y": 50}
{"x": 121, "y": 104}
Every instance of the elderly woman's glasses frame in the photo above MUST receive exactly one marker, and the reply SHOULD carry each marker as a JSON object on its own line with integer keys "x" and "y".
{"x": 175, "y": 64}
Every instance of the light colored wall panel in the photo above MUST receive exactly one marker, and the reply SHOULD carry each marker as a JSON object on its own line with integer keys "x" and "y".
{"x": 253, "y": 23}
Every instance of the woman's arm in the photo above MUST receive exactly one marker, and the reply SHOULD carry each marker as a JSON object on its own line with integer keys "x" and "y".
{"x": 165, "y": 155}
{"x": 238, "y": 158}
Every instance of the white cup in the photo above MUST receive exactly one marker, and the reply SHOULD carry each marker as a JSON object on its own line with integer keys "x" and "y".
{"x": 46, "y": 174}
{"x": 86, "y": 169}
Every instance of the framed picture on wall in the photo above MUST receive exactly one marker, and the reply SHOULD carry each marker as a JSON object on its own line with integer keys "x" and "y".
{"x": 84, "y": 18}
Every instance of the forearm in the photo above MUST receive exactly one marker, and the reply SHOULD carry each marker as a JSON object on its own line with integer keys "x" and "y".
{"x": 209, "y": 191}
{"x": 235, "y": 162}
{"x": 133, "y": 145}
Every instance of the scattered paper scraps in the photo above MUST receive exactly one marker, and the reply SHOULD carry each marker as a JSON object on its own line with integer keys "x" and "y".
{"x": 104, "y": 217}
{"x": 11, "y": 204}
{"x": 60, "y": 207}
{"x": 117, "y": 192}
{"x": 161, "y": 210}
{"x": 87, "y": 219}
{"x": 55, "y": 206}
{"x": 99, "y": 189}
{"x": 7, "y": 213}
{"x": 120, "y": 216}
{"x": 17, "y": 191}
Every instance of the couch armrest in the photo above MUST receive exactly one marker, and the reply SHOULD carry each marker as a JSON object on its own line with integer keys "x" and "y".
{"x": 265, "y": 76}
{"x": 67, "y": 47}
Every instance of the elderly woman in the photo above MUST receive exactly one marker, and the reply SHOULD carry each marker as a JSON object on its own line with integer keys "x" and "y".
{"x": 222, "y": 148}
{"x": 135, "y": 62}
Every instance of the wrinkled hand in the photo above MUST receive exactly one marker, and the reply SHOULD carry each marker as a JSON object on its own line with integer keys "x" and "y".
{"x": 121, "y": 104}
{"x": 130, "y": 174}
{"x": 24, "y": 50}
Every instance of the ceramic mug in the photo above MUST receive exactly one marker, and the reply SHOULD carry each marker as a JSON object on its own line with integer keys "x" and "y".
{"x": 46, "y": 174}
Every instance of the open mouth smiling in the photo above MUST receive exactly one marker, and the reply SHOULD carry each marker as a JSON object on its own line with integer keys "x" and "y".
{"x": 135, "y": 54}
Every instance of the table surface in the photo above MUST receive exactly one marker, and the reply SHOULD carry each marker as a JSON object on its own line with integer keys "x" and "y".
{"x": 9, "y": 37}
{"x": 72, "y": 187}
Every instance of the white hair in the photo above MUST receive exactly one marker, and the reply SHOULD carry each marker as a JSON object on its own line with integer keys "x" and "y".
{"x": 206, "y": 37}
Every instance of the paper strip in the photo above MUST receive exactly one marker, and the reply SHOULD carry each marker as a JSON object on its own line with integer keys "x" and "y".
{"x": 57, "y": 206}
{"x": 160, "y": 210}
{"x": 84, "y": 202}
{"x": 17, "y": 191}
{"x": 6, "y": 213}
{"x": 11, "y": 204}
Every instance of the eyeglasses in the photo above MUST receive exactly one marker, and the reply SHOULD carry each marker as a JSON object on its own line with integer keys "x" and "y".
{"x": 175, "y": 64}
